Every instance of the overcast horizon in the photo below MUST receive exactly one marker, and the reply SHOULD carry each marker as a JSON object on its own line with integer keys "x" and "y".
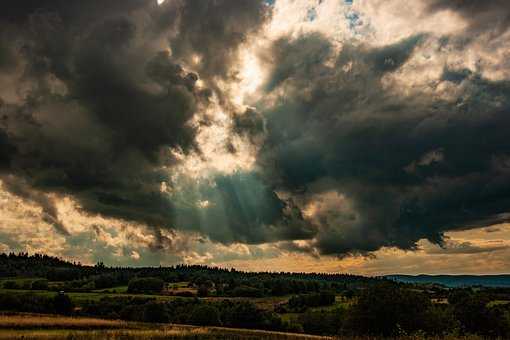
{"x": 355, "y": 136}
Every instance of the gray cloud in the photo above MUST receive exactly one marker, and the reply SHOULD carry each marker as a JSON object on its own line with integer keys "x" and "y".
{"x": 212, "y": 30}
{"x": 337, "y": 128}
{"x": 103, "y": 94}
{"x": 20, "y": 188}
{"x": 102, "y": 101}
{"x": 489, "y": 15}
{"x": 455, "y": 247}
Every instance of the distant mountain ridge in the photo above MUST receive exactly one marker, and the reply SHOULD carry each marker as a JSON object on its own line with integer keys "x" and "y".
{"x": 502, "y": 280}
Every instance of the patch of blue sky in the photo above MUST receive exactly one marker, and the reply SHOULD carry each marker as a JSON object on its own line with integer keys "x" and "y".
{"x": 355, "y": 22}
{"x": 353, "y": 19}
{"x": 311, "y": 14}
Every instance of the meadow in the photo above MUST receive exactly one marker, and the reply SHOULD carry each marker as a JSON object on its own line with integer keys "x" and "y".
{"x": 41, "y": 327}
{"x": 32, "y": 326}
{"x": 45, "y": 297}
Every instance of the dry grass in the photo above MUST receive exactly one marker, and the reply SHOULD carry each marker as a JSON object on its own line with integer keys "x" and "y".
{"x": 34, "y": 326}
{"x": 30, "y": 326}
{"x": 143, "y": 334}
{"x": 28, "y": 321}
{"x": 181, "y": 334}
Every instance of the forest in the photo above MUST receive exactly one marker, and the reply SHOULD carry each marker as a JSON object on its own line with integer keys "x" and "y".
{"x": 319, "y": 303}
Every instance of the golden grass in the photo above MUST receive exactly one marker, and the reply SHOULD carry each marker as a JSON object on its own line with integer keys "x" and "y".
{"x": 32, "y": 326}
{"x": 46, "y": 321}
{"x": 36, "y": 326}
{"x": 142, "y": 334}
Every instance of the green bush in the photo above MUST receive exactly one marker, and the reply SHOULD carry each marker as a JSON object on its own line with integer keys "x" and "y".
{"x": 205, "y": 315}
{"x": 63, "y": 304}
{"x": 245, "y": 291}
{"x": 155, "y": 312}
{"x": 145, "y": 285}
{"x": 10, "y": 285}
{"x": 388, "y": 310}
{"x": 41, "y": 284}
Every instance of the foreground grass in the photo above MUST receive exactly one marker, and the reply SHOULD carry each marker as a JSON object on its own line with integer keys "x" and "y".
{"x": 200, "y": 333}
{"x": 177, "y": 333}
{"x": 30, "y": 326}
{"x": 35, "y": 321}
{"x": 35, "y": 326}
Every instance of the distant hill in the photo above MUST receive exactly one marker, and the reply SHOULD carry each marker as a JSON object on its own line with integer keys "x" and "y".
{"x": 455, "y": 280}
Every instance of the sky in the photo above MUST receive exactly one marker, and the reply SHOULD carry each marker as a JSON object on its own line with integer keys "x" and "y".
{"x": 360, "y": 136}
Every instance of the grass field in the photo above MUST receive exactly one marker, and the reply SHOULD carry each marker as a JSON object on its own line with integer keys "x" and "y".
{"x": 80, "y": 297}
{"x": 115, "y": 290}
{"x": 31, "y": 326}
{"x": 267, "y": 303}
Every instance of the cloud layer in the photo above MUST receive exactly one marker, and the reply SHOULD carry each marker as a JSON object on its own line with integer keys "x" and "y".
{"x": 399, "y": 163}
{"x": 311, "y": 126}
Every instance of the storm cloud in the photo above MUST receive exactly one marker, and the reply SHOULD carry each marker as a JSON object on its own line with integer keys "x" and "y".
{"x": 102, "y": 100}
{"x": 377, "y": 167}
{"x": 342, "y": 148}
{"x": 490, "y": 15}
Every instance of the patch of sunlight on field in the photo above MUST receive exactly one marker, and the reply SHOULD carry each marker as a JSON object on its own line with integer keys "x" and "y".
{"x": 498, "y": 303}
{"x": 80, "y": 297}
{"x": 36, "y": 326}
{"x": 29, "y": 321}
{"x": 57, "y": 327}
{"x": 114, "y": 290}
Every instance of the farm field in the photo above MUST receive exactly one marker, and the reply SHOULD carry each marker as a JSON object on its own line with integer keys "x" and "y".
{"x": 267, "y": 303}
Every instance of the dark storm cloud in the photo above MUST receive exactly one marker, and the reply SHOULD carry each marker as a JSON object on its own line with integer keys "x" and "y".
{"x": 102, "y": 94}
{"x": 250, "y": 123}
{"x": 214, "y": 29}
{"x": 70, "y": 11}
{"x": 6, "y": 150}
{"x": 403, "y": 167}
{"x": 101, "y": 102}
{"x": 489, "y": 15}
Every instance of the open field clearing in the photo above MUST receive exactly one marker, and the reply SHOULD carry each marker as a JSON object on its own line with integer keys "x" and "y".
{"x": 32, "y": 326}
{"x": 56, "y": 327}
{"x": 33, "y": 321}
{"x": 80, "y": 297}
{"x": 175, "y": 333}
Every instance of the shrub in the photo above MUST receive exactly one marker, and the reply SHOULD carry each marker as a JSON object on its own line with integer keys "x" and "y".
{"x": 476, "y": 317}
{"x": 320, "y": 322}
{"x": 388, "y": 310}
{"x": 203, "y": 291}
{"x": 440, "y": 320}
{"x": 205, "y": 315}
{"x": 10, "y": 285}
{"x": 63, "y": 304}
{"x": 145, "y": 285}
{"x": 301, "y": 302}
{"x": 131, "y": 313}
{"x": 155, "y": 312}
{"x": 40, "y": 284}
{"x": 245, "y": 291}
